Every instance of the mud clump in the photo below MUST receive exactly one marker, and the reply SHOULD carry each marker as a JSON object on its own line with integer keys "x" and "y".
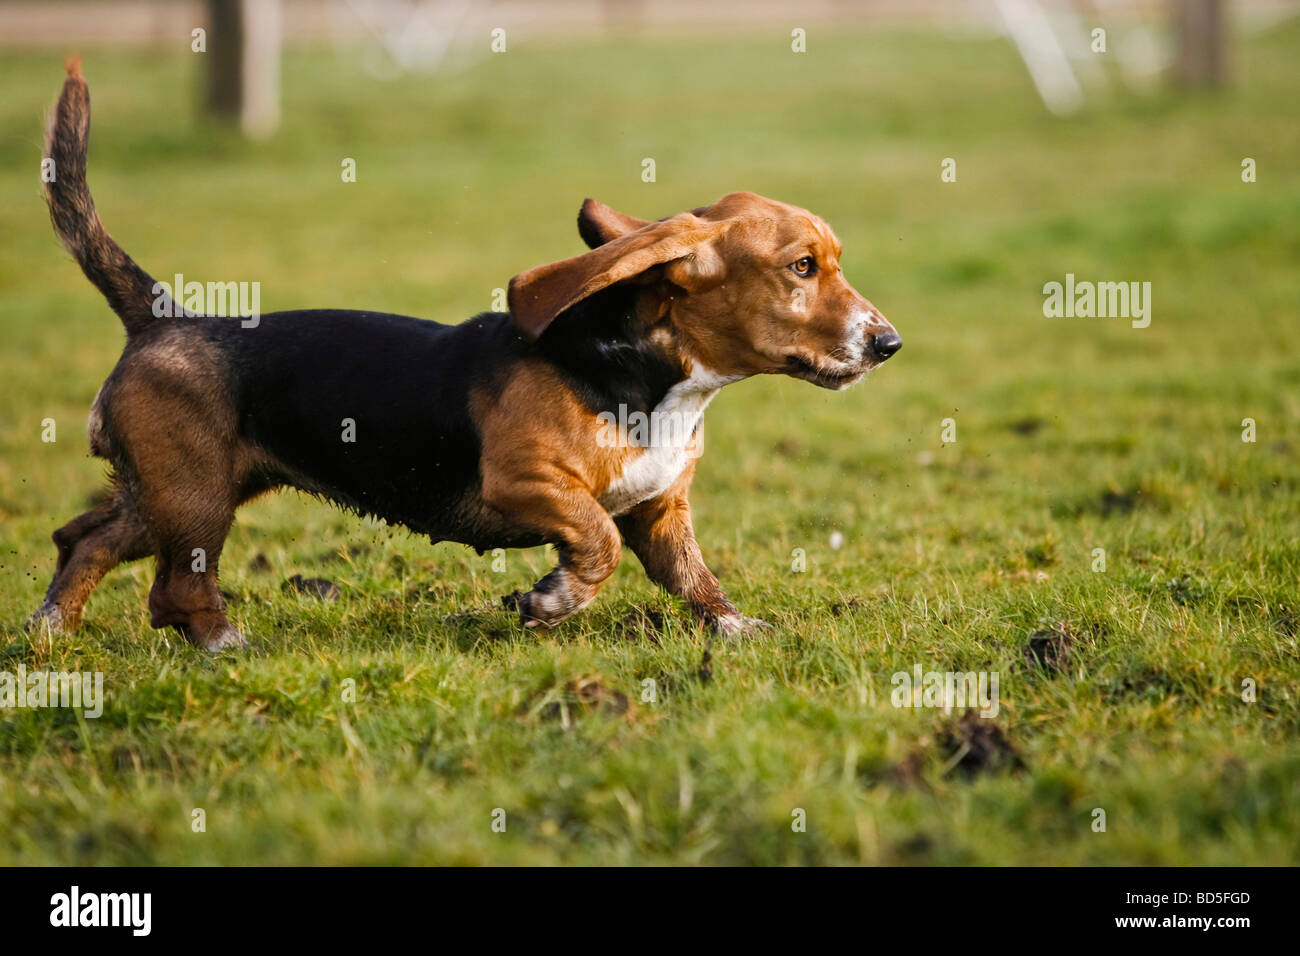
{"x": 974, "y": 745}
{"x": 641, "y": 622}
{"x": 1050, "y": 648}
{"x": 705, "y": 673}
{"x": 321, "y": 588}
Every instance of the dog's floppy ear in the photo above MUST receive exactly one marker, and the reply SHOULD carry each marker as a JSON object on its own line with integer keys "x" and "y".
{"x": 598, "y": 223}
{"x": 685, "y": 243}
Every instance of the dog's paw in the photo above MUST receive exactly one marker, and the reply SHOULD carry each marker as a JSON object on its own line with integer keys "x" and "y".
{"x": 224, "y": 638}
{"x": 543, "y": 609}
{"x": 48, "y": 618}
{"x": 555, "y": 598}
{"x": 738, "y": 625}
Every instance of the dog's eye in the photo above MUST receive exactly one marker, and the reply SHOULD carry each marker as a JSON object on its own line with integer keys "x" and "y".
{"x": 804, "y": 267}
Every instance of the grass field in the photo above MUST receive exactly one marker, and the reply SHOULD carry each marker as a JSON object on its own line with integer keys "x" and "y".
{"x": 1072, "y": 435}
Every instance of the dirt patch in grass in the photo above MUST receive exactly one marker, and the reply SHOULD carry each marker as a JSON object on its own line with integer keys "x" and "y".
{"x": 1029, "y": 425}
{"x": 1041, "y": 555}
{"x": 1050, "y": 648}
{"x": 967, "y": 746}
{"x": 641, "y": 623}
{"x": 1113, "y": 501}
{"x": 321, "y": 588}
{"x": 974, "y": 745}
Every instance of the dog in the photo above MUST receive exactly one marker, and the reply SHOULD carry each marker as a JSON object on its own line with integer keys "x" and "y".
{"x": 495, "y": 433}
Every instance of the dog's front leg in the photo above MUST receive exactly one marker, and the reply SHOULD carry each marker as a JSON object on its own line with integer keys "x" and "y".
{"x": 660, "y": 533}
{"x": 581, "y": 530}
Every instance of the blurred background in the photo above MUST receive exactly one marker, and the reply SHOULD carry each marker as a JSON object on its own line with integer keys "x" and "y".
{"x": 390, "y": 37}
{"x": 1056, "y": 39}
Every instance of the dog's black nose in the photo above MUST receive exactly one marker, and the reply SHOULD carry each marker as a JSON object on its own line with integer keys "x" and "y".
{"x": 886, "y": 345}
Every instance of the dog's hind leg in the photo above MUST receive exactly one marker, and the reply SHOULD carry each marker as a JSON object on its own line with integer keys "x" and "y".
{"x": 189, "y": 600}
{"x": 177, "y": 442}
{"x": 89, "y": 547}
{"x": 190, "y": 518}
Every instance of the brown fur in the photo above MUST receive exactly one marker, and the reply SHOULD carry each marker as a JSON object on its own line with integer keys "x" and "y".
{"x": 542, "y": 469}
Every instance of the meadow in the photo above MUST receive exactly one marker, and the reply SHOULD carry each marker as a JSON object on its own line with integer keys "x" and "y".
{"x": 398, "y": 722}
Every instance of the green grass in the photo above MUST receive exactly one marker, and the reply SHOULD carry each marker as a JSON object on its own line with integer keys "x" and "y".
{"x": 1073, "y": 434}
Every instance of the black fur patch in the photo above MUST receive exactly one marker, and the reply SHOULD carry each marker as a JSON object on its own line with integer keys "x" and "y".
{"x": 404, "y": 384}
{"x": 605, "y": 353}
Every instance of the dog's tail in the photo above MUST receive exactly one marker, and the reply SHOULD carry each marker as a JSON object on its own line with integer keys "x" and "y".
{"x": 128, "y": 288}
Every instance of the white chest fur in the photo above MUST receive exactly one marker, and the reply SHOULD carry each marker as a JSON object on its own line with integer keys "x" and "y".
{"x": 668, "y": 441}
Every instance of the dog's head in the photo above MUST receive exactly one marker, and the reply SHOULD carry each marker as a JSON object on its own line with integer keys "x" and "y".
{"x": 749, "y": 285}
